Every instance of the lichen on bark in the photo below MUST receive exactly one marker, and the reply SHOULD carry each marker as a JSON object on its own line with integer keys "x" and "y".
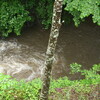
{"x": 56, "y": 23}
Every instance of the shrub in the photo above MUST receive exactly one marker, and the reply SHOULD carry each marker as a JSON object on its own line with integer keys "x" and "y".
{"x": 80, "y": 9}
{"x": 12, "y": 17}
{"x": 62, "y": 88}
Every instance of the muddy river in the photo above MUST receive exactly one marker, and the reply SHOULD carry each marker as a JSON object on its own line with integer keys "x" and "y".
{"x": 23, "y": 56}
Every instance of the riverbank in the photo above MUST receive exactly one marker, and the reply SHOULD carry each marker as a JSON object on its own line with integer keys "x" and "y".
{"x": 60, "y": 89}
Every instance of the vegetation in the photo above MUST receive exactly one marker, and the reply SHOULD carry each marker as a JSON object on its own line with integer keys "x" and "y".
{"x": 83, "y": 8}
{"x": 60, "y": 89}
{"x": 12, "y": 17}
{"x": 15, "y": 13}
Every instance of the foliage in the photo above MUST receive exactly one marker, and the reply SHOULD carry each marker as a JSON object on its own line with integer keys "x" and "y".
{"x": 60, "y": 89}
{"x": 12, "y": 17}
{"x": 75, "y": 67}
{"x": 28, "y": 4}
{"x": 44, "y": 11}
{"x": 15, "y": 13}
{"x": 12, "y": 89}
{"x": 89, "y": 74}
{"x": 83, "y": 8}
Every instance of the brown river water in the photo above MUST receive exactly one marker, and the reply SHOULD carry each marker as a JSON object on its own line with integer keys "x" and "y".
{"x": 23, "y": 56}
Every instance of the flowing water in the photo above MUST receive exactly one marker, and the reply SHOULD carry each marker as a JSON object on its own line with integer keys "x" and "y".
{"x": 23, "y": 57}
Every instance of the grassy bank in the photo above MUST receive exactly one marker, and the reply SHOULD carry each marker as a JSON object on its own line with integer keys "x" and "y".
{"x": 60, "y": 89}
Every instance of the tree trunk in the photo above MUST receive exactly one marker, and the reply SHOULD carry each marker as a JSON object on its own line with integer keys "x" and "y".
{"x": 56, "y": 23}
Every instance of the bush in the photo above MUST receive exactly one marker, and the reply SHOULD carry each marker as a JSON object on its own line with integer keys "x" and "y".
{"x": 14, "y": 13}
{"x": 60, "y": 89}
{"x": 14, "y": 90}
{"x": 80, "y": 9}
{"x": 12, "y": 17}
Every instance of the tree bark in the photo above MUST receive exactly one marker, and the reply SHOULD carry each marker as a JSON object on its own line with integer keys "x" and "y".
{"x": 56, "y": 23}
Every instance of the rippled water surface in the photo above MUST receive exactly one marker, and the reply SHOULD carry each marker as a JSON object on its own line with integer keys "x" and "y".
{"x": 23, "y": 57}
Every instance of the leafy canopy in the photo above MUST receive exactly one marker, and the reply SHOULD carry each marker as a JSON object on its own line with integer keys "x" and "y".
{"x": 83, "y": 8}
{"x": 12, "y": 17}
{"x": 15, "y": 13}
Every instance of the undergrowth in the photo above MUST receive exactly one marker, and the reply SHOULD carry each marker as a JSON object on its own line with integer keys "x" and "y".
{"x": 60, "y": 89}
